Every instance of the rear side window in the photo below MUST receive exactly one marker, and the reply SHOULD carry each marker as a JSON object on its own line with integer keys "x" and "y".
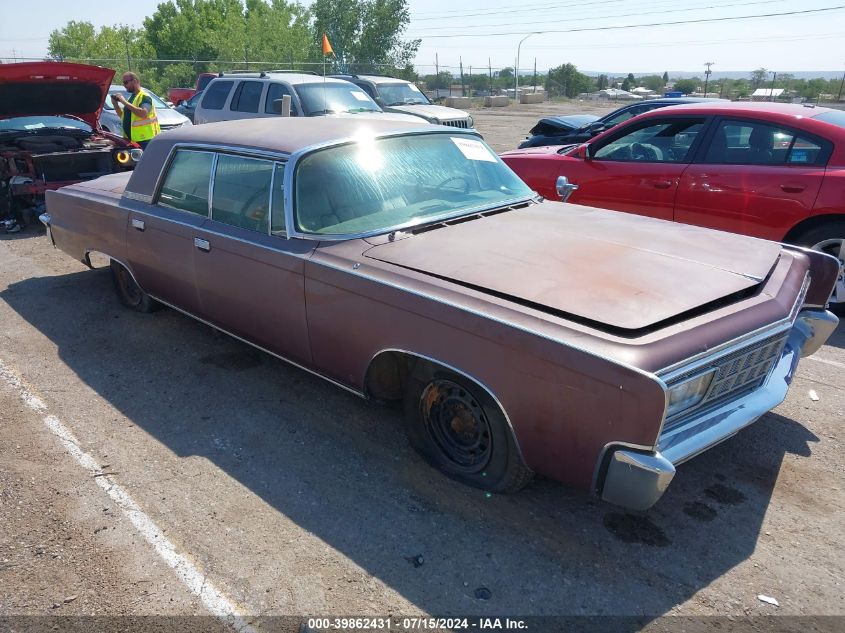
{"x": 277, "y": 91}
{"x": 247, "y": 95}
{"x": 216, "y": 94}
{"x": 241, "y": 195}
{"x": 758, "y": 143}
{"x": 186, "y": 184}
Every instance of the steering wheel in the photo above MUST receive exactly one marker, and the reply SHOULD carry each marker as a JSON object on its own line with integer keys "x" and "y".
{"x": 463, "y": 179}
{"x": 640, "y": 151}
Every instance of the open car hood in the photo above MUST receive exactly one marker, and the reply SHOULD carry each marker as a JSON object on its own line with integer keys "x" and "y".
{"x": 562, "y": 124}
{"x": 614, "y": 271}
{"x": 54, "y": 88}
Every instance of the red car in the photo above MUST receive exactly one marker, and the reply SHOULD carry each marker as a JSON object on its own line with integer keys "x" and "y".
{"x": 774, "y": 171}
{"x": 50, "y": 135}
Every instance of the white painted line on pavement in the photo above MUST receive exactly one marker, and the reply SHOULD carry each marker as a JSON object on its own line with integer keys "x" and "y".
{"x": 194, "y": 579}
{"x": 832, "y": 363}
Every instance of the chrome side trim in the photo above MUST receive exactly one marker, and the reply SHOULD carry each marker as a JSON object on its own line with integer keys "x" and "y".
{"x": 457, "y": 371}
{"x": 360, "y": 394}
{"x": 140, "y": 197}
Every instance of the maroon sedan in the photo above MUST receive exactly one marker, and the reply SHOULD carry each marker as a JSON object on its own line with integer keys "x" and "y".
{"x": 767, "y": 170}
{"x": 410, "y": 264}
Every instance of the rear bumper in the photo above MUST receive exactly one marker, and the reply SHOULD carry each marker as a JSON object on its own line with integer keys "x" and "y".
{"x": 637, "y": 479}
{"x": 45, "y": 220}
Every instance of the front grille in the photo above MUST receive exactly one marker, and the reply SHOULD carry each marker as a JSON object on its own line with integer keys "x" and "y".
{"x": 169, "y": 126}
{"x": 461, "y": 123}
{"x": 737, "y": 373}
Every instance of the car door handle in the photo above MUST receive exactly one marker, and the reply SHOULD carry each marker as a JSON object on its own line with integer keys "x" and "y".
{"x": 138, "y": 225}
{"x": 793, "y": 188}
{"x": 203, "y": 245}
{"x": 662, "y": 184}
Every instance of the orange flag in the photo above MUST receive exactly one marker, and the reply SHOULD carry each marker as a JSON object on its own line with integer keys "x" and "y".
{"x": 327, "y": 48}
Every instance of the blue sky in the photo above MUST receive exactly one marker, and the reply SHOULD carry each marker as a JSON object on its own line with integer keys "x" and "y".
{"x": 483, "y": 30}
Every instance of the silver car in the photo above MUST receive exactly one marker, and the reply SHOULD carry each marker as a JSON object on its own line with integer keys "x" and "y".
{"x": 168, "y": 118}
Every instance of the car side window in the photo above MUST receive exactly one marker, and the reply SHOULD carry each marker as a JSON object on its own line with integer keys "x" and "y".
{"x": 666, "y": 141}
{"x": 247, "y": 96}
{"x": 622, "y": 116}
{"x": 186, "y": 183}
{"x": 749, "y": 143}
{"x": 277, "y": 91}
{"x": 241, "y": 192}
{"x": 805, "y": 151}
{"x": 277, "y": 213}
{"x": 216, "y": 94}
{"x": 369, "y": 90}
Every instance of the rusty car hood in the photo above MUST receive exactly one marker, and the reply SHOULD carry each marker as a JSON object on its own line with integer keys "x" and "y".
{"x": 609, "y": 269}
{"x": 54, "y": 88}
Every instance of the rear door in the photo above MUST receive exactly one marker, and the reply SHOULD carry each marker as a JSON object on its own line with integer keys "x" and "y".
{"x": 753, "y": 178}
{"x": 160, "y": 239}
{"x": 638, "y": 168}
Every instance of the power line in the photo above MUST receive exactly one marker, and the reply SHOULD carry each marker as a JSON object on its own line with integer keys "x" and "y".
{"x": 619, "y": 15}
{"x": 639, "y": 26}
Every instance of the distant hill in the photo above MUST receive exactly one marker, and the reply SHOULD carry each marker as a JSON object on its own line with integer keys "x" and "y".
{"x": 735, "y": 74}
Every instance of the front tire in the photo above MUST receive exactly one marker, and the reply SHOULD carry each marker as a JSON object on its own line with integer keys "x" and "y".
{"x": 459, "y": 429}
{"x": 129, "y": 292}
{"x": 830, "y": 238}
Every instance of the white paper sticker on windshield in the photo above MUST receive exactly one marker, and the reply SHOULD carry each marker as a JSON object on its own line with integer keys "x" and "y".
{"x": 474, "y": 150}
{"x": 414, "y": 88}
{"x": 360, "y": 96}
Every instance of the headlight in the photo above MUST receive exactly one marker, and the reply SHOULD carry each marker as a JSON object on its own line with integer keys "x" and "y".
{"x": 471, "y": 121}
{"x": 689, "y": 392}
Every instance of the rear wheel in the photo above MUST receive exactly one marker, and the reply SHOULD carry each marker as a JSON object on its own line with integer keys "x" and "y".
{"x": 129, "y": 292}
{"x": 830, "y": 238}
{"x": 458, "y": 428}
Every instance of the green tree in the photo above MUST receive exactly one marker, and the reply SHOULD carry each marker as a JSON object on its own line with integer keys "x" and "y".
{"x": 652, "y": 82}
{"x": 758, "y": 77}
{"x": 665, "y": 77}
{"x": 441, "y": 80}
{"x": 687, "y": 86}
{"x": 366, "y": 35}
{"x": 601, "y": 82}
{"x": 566, "y": 80}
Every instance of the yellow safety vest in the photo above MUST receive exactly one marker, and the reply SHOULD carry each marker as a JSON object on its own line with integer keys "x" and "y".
{"x": 143, "y": 128}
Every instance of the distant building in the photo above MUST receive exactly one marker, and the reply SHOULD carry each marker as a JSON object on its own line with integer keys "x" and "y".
{"x": 764, "y": 94}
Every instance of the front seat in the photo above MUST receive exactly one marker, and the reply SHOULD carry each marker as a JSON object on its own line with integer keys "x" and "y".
{"x": 760, "y": 144}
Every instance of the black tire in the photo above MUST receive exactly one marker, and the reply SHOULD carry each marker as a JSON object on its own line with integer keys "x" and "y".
{"x": 483, "y": 453}
{"x": 129, "y": 292}
{"x": 829, "y": 238}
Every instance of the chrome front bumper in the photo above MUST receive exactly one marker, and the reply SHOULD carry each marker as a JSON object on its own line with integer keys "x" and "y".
{"x": 45, "y": 220}
{"x": 637, "y": 479}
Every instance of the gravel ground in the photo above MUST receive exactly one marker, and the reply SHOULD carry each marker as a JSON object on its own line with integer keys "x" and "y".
{"x": 291, "y": 497}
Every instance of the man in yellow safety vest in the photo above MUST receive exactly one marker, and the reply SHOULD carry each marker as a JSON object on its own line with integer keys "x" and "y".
{"x": 140, "y": 123}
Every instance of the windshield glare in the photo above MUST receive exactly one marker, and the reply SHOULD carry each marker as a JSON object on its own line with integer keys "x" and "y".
{"x": 377, "y": 185}
{"x": 43, "y": 122}
{"x": 400, "y": 94}
{"x": 157, "y": 101}
{"x": 336, "y": 97}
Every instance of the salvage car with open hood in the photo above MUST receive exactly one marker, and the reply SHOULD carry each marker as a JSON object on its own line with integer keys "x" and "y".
{"x": 411, "y": 264}
{"x": 50, "y": 134}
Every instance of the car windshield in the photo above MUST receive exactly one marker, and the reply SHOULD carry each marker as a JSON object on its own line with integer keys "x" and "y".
{"x": 327, "y": 98}
{"x": 836, "y": 117}
{"x": 379, "y": 185}
{"x": 35, "y": 123}
{"x": 157, "y": 101}
{"x": 401, "y": 94}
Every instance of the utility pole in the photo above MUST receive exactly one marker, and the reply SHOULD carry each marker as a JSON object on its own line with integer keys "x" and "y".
{"x": 490, "y": 71}
{"x": 535, "y": 75}
{"x": 463, "y": 90}
{"x": 707, "y": 75}
{"x": 772, "y": 89}
{"x": 841, "y": 84}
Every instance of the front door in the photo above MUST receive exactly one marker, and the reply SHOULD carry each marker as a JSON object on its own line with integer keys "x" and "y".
{"x": 249, "y": 275}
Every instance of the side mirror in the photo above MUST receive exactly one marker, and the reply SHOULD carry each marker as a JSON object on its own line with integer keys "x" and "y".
{"x": 169, "y": 104}
{"x": 596, "y": 127}
{"x": 564, "y": 188}
{"x": 582, "y": 152}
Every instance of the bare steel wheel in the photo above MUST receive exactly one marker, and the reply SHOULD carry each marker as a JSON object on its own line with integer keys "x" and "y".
{"x": 129, "y": 292}
{"x": 460, "y": 429}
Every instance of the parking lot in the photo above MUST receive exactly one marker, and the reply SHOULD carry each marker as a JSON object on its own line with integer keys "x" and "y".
{"x": 154, "y": 466}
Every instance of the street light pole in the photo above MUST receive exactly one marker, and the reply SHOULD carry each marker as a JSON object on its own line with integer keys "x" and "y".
{"x": 707, "y": 75}
{"x": 516, "y": 70}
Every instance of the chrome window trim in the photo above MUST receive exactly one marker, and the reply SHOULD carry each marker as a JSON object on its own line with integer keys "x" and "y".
{"x": 140, "y": 197}
{"x": 298, "y": 155}
{"x": 211, "y": 182}
{"x": 457, "y": 371}
{"x": 162, "y": 176}
{"x": 273, "y": 164}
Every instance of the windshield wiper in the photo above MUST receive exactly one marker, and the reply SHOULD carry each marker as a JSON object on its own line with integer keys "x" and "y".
{"x": 321, "y": 112}
{"x": 357, "y": 110}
